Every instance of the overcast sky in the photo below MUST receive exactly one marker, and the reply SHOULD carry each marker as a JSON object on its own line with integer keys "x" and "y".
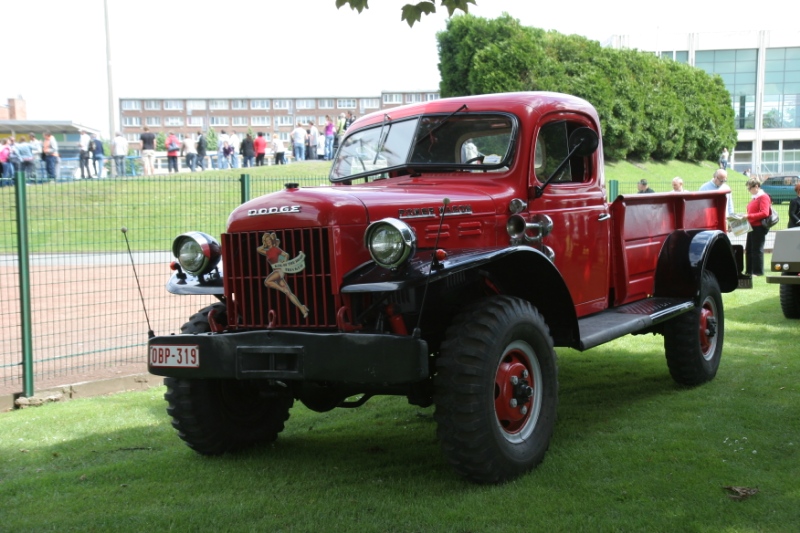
{"x": 56, "y": 50}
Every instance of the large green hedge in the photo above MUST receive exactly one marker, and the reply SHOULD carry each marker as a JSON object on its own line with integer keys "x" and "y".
{"x": 649, "y": 107}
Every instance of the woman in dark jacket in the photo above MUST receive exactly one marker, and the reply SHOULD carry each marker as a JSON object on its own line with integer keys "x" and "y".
{"x": 794, "y": 209}
{"x": 247, "y": 151}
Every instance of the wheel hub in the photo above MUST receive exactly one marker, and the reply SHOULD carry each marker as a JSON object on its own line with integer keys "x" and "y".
{"x": 513, "y": 393}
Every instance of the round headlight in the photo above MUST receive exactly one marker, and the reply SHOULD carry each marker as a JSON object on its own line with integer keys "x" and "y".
{"x": 390, "y": 242}
{"x": 197, "y": 252}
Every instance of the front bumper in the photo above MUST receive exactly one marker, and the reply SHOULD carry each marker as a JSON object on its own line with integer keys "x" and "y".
{"x": 288, "y": 355}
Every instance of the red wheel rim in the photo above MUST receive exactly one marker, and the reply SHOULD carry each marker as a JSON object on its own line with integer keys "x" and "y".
{"x": 708, "y": 328}
{"x": 511, "y": 413}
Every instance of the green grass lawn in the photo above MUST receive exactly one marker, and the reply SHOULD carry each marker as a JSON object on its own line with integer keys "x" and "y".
{"x": 632, "y": 451}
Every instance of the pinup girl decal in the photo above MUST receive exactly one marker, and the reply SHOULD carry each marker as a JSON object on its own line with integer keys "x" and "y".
{"x": 281, "y": 264}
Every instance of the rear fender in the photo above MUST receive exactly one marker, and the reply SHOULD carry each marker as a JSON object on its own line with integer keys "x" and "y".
{"x": 686, "y": 255}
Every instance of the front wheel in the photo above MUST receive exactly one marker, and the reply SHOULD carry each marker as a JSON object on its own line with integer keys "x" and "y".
{"x": 496, "y": 390}
{"x": 214, "y": 416}
{"x": 790, "y": 300}
{"x": 693, "y": 341}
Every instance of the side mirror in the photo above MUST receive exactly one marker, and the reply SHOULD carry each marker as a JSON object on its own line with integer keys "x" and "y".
{"x": 583, "y": 141}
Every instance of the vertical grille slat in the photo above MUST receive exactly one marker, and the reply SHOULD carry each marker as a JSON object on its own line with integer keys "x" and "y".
{"x": 250, "y": 300}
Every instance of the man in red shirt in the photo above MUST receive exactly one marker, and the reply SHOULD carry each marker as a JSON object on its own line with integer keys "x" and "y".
{"x": 260, "y": 144}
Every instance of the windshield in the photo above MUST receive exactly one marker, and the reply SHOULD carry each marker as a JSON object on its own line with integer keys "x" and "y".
{"x": 431, "y": 142}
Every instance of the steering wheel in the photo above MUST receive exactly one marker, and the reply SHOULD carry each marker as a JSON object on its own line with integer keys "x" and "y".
{"x": 478, "y": 158}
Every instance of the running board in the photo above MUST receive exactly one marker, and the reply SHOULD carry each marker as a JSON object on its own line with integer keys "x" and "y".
{"x": 637, "y": 316}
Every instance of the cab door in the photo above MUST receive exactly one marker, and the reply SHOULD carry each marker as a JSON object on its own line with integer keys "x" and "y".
{"x": 575, "y": 200}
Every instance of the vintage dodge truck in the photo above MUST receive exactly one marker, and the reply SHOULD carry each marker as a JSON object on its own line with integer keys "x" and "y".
{"x": 459, "y": 242}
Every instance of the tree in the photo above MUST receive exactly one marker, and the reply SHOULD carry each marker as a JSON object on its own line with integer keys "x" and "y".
{"x": 411, "y": 13}
{"x": 211, "y": 138}
{"x": 161, "y": 141}
{"x": 648, "y": 106}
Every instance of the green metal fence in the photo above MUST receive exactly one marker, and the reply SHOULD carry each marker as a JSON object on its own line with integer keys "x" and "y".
{"x": 68, "y": 296}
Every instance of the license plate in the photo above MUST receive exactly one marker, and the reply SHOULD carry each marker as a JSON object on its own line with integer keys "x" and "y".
{"x": 175, "y": 355}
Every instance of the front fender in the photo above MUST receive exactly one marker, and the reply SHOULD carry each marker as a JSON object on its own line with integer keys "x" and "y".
{"x": 686, "y": 255}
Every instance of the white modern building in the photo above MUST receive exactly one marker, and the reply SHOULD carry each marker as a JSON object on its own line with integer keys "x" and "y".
{"x": 761, "y": 70}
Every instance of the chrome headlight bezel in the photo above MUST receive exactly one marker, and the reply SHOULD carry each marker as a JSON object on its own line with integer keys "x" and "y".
{"x": 205, "y": 257}
{"x": 391, "y": 242}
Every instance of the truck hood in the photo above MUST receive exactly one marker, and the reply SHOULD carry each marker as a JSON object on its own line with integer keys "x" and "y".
{"x": 409, "y": 199}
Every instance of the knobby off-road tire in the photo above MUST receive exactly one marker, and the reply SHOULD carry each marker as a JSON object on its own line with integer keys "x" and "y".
{"x": 790, "y": 300}
{"x": 492, "y": 353}
{"x": 693, "y": 341}
{"x": 214, "y": 416}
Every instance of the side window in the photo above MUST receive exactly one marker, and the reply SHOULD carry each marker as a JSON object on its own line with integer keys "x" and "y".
{"x": 552, "y": 147}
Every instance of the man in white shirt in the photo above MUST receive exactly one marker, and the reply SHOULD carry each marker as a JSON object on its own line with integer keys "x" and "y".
{"x": 235, "y": 143}
{"x": 119, "y": 151}
{"x": 222, "y": 161}
{"x": 83, "y": 144}
{"x": 313, "y": 139}
{"x": 298, "y": 136}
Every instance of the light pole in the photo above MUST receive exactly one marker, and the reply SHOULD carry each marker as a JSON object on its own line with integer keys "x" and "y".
{"x": 112, "y": 111}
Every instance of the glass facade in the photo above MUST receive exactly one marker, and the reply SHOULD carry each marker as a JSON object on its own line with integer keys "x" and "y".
{"x": 781, "y": 88}
{"x": 738, "y": 70}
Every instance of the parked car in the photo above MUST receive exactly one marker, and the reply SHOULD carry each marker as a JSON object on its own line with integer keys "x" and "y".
{"x": 780, "y": 188}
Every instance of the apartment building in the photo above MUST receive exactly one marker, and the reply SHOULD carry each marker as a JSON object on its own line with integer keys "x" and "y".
{"x": 187, "y": 116}
{"x": 761, "y": 70}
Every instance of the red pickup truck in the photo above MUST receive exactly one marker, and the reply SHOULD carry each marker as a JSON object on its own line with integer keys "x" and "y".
{"x": 459, "y": 242}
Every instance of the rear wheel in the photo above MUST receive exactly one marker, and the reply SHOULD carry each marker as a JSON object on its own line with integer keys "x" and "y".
{"x": 693, "y": 341}
{"x": 790, "y": 300}
{"x": 496, "y": 390}
{"x": 214, "y": 416}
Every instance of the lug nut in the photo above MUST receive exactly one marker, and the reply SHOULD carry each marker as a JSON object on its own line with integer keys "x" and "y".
{"x": 513, "y": 402}
{"x": 514, "y": 380}
{"x": 524, "y": 410}
{"x": 525, "y": 374}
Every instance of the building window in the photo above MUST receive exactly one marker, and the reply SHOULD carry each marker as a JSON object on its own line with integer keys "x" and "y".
{"x": 346, "y": 103}
{"x": 132, "y": 136}
{"x": 261, "y": 120}
{"x": 218, "y": 104}
{"x": 283, "y": 104}
{"x": 370, "y": 103}
{"x": 131, "y": 105}
{"x": 326, "y": 103}
{"x": 413, "y": 98}
{"x": 239, "y": 121}
{"x": 321, "y": 121}
{"x": 284, "y": 136}
{"x": 305, "y": 120}
{"x": 195, "y": 121}
{"x": 791, "y": 156}
{"x": 431, "y": 97}
{"x": 284, "y": 120}
{"x": 152, "y": 105}
{"x": 173, "y": 105}
{"x": 195, "y": 105}
{"x": 173, "y": 121}
{"x": 218, "y": 121}
{"x": 152, "y": 121}
{"x": 392, "y": 98}
{"x": 259, "y": 104}
{"x": 305, "y": 104}
{"x": 738, "y": 69}
{"x": 131, "y": 121}
{"x": 781, "y": 88}
{"x": 238, "y": 104}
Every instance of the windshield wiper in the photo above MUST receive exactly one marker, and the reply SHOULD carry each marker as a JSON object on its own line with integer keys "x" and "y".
{"x": 440, "y": 124}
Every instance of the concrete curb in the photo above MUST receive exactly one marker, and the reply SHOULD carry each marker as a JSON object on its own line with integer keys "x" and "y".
{"x": 83, "y": 389}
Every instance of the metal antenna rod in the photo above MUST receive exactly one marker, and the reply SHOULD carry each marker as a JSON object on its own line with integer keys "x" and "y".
{"x": 150, "y": 333}
{"x": 445, "y": 203}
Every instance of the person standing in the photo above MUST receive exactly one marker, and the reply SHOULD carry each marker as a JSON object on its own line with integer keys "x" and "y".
{"x": 222, "y": 161}
{"x": 278, "y": 149}
{"x": 38, "y": 157}
{"x": 235, "y": 143}
{"x": 723, "y": 159}
{"x": 794, "y": 209}
{"x": 758, "y": 209}
{"x": 260, "y": 146}
{"x": 5, "y": 162}
{"x": 330, "y": 133}
{"x": 148, "y": 151}
{"x": 50, "y": 151}
{"x": 247, "y": 151}
{"x": 189, "y": 150}
{"x": 27, "y": 165}
{"x": 719, "y": 182}
{"x": 299, "y": 143}
{"x": 173, "y": 149}
{"x": 313, "y": 140}
{"x": 642, "y": 187}
{"x": 348, "y": 121}
{"x": 677, "y": 184}
{"x": 119, "y": 151}
{"x": 202, "y": 149}
{"x": 85, "y": 154}
{"x": 98, "y": 156}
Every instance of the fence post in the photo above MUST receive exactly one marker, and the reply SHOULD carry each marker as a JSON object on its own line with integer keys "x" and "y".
{"x": 613, "y": 190}
{"x": 24, "y": 286}
{"x": 245, "y": 181}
